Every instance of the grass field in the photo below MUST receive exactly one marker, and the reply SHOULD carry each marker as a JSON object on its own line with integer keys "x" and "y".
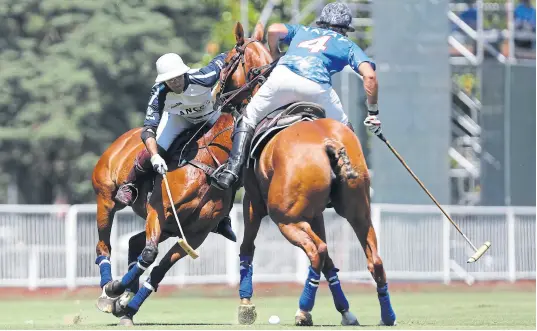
{"x": 446, "y": 308}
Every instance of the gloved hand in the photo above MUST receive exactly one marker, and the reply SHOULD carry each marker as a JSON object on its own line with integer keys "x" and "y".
{"x": 372, "y": 123}
{"x": 159, "y": 165}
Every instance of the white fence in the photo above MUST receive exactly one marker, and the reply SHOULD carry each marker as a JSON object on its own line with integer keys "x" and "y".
{"x": 55, "y": 246}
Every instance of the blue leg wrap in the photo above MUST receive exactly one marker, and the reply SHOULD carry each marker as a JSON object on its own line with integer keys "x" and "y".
{"x": 135, "y": 284}
{"x": 340, "y": 301}
{"x": 386, "y": 311}
{"x": 134, "y": 273}
{"x": 105, "y": 268}
{"x": 139, "y": 298}
{"x": 246, "y": 271}
{"x": 307, "y": 299}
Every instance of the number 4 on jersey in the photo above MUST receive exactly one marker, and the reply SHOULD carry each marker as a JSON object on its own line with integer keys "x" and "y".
{"x": 315, "y": 45}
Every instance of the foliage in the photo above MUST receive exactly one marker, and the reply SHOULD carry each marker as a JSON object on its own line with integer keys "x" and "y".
{"x": 76, "y": 75}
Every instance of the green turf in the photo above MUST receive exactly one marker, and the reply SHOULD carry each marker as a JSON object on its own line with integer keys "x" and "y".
{"x": 436, "y": 310}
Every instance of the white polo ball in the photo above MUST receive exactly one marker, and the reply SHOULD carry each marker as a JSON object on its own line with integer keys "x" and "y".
{"x": 274, "y": 319}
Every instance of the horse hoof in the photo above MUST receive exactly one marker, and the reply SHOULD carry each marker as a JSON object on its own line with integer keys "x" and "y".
{"x": 303, "y": 318}
{"x": 247, "y": 314}
{"x": 381, "y": 323}
{"x": 113, "y": 289}
{"x": 348, "y": 318}
{"x": 105, "y": 303}
{"x": 125, "y": 321}
{"x": 120, "y": 304}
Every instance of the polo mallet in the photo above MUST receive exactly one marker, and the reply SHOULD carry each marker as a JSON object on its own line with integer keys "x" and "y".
{"x": 182, "y": 241}
{"x": 478, "y": 252}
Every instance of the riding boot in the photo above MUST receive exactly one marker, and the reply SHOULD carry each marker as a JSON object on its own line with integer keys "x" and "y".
{"x": 242, "y": 138}
{"x": 127, "y": 192}
{"x": 224, "y": 228}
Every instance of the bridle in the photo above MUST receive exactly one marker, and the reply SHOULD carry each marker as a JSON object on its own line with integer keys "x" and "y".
{"x": 255, "y": 76}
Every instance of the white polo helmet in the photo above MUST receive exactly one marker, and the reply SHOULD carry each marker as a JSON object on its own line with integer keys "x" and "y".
{"x": 169, "y": 66}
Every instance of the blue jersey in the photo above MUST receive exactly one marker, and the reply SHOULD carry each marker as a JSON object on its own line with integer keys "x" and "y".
{"x": 317, "y": 53}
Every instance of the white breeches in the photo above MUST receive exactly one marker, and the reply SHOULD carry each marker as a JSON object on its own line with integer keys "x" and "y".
{"x": 283, "y": 87}
{"x": 172, "y": 125}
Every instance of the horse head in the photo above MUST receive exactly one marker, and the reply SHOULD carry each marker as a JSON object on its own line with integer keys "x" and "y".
{"x": 243, "y": 69}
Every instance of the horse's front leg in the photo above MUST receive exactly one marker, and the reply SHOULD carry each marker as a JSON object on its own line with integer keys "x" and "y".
{"x": 127, "y": 306}
{"x": 252, "y": 222}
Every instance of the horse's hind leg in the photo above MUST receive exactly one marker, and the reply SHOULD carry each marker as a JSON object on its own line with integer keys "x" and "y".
{"x": 105, "y": 216}
{"x": 154, "y": 221}
{"x": 252, "y": 221}
{"x": 359, "y": 216}
{"x": 301, "y": 235}
{"x": 330, "y": 273}
{"x": 111, "y": 292}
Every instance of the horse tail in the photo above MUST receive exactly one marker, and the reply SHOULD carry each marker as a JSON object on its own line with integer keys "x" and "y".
{"x": 340, "y": 161}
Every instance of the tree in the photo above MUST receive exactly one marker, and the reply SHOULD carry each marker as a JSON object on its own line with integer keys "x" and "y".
{"x": 76, "y": 75}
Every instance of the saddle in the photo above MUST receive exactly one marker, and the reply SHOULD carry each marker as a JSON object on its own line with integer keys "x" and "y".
{"x": 278, "y": 120}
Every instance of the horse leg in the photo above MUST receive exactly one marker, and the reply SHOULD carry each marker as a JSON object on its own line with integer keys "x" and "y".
{"x": 136, "y": 245}
{"x": 126, "y": 307}
{"x": 105, "y": 303}
{"x": 106, "y": 208}
{"x": 301, "y": 235}
{"x": 252, "y": 222}
{"x": 360, "y": 220}
{"x": 105, "y": 217}
{"x": 330, "y": 274}
{"x": 155, "y": 219}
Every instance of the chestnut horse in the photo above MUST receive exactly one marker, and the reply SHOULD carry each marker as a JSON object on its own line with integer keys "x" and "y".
{"x": 199, "y": 206}
{"x": 302, "y": 169}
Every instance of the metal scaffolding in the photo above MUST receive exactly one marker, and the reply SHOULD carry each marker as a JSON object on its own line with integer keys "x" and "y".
{"x": 467, "y": 58}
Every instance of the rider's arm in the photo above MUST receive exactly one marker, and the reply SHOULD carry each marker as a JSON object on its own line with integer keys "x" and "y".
{"x": 277, "y": 33}
{"x": 208, "y": 75}
{"x": 153, "y": 116}
{"x": 364, "y": 66}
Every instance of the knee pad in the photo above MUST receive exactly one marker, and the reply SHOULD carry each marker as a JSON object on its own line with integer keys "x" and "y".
{"x": 149, "y": 254}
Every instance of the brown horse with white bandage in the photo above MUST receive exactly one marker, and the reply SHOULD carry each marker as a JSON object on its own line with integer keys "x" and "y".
{"x": 300, "y": 162}
{"x": 199, "y": 206}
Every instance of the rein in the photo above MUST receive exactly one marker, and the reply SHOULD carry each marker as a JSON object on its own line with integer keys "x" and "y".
{"x": 257, "y": 75}
{"x": 253, "y": 77}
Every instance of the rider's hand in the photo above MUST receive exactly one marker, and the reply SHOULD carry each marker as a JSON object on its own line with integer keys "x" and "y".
{"x": 159, "y": 164}
{"x": 372, "y": 123}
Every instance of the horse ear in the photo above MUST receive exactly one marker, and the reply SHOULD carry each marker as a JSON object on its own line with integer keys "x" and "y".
{"x": 239, "y": 33}
{"x": 258, "y": 32}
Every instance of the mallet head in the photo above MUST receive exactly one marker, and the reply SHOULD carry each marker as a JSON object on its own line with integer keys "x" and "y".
{"x": 479, "y": 252}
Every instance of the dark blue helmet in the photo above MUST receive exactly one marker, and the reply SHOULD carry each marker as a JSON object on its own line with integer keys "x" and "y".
{"x": 336, "y": 14}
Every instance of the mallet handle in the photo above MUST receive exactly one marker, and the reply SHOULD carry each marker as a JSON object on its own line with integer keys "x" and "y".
{"x": 381, "y": 136}
{"x": 182, "y": 242}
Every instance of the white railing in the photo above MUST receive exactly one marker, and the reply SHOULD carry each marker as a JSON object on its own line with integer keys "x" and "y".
{"x": 54, "y": 245}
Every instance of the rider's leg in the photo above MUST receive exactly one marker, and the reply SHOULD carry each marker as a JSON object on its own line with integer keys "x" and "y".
{"x": 333, "y": 107}
{"x": 277, "y": 91}
{"x": 331, "y": 104}
{"x": 142, "y": 165}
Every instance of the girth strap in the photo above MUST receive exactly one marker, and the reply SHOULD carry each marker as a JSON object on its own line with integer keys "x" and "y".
{"x": 204, "y": 167}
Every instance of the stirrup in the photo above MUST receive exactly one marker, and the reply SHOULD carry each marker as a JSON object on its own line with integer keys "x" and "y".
{"x": 216, "y": 173}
